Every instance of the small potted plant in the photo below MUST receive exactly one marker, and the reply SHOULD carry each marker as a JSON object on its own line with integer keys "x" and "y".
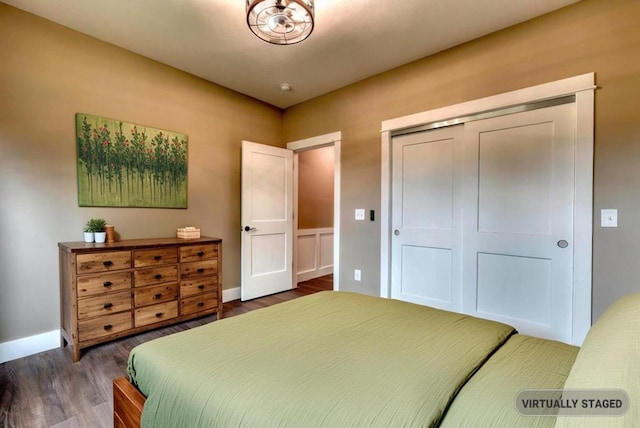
{"x": 94, "y": 230}
{"x": 89, "y": 235}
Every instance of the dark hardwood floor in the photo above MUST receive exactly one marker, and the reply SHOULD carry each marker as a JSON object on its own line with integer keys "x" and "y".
{"x": 48, "y": 390}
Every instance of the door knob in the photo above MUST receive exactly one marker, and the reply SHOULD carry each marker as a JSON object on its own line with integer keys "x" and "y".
{"x": 396, "y": 232}
{"x": 249, "y": 229}
{"x": 563, "y": 244}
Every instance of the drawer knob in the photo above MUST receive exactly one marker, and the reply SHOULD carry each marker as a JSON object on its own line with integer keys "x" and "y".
{"x": 157, "y": 296}
{"x": 200, "y": 253}
{"x": 201, "y": 287}
{"x": 108, "y": 327}
{"x": 200, "y": 304}
{"x": 107, "y": 284}
{"x": 158, "y": 276}
{"x": 159, "y": 314}
{"x": 157, "y": 257}
{"x": 108, "y": 305}
{"x": 200, "y": 270}
{"x": 107, "y": 263}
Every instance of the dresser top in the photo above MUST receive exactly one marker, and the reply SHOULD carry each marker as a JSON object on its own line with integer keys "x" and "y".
{"x": 129, "y": 244}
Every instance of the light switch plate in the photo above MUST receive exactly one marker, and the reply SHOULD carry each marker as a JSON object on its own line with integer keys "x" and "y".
{"x": 609, "y": 218}
{"x": 359, "y": 213}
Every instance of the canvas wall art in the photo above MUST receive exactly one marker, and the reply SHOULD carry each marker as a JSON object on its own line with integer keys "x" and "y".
{"x": 122, "y": 164}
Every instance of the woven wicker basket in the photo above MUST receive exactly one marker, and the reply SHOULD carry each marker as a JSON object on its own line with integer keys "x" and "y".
{"x": 188, "y": 233}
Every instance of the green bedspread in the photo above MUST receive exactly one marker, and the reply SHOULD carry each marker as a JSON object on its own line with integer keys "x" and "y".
{"x": 332, "y": 359}
{"x": 524, "y": 362}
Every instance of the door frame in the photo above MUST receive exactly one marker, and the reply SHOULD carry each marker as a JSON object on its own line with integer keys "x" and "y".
{"x": 583, "y": 87}
{"x": 332, "y": 139}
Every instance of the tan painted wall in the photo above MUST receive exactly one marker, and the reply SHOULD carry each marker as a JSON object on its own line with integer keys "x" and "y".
{"x": 315, "y": 188}
{"x": 47, "y": 74}
{"x": 601, "y": 36}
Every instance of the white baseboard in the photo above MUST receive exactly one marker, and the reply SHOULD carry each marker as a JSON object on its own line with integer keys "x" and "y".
{"x": 306, "y": 276}
{"x": 46, "y": 341}
{"x": 29, "y": 345}
{"x": 230, "y": 294}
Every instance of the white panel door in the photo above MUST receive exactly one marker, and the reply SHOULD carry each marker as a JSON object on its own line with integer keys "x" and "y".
{"x": 426, "y": 218}
{"x": 267, "y": 220}
{"x": 518, "y": 222}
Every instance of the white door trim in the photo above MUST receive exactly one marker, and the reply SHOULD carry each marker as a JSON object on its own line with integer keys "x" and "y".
{"x": 583, "y": 88}
{"x": 332, "y": 139}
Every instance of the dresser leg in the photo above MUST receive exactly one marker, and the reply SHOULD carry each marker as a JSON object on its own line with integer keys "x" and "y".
{"x": 76, "y": 354}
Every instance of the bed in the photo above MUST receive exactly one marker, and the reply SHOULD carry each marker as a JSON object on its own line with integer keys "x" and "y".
{"x": 339, "y": 359}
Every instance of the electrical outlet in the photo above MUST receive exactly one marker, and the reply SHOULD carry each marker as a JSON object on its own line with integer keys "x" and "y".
{"x": 357, "y": 275}
{"x": 360, "y": 214}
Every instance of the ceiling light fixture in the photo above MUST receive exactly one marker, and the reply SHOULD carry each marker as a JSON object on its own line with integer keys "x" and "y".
{"x": 281, "y": 22}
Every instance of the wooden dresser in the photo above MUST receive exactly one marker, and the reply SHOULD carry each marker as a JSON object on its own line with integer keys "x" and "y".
{"x": 117, "y": 289}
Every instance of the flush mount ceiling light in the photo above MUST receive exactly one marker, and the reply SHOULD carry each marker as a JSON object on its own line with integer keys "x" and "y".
{"x": 281, "y": 22}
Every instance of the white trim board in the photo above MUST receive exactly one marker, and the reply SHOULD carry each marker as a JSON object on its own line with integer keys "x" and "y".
{"x": 230, "y": 294}
{"x": 31, "y": 345}
{"x": 583, "y": 87}
{"x": 559, "y": 88}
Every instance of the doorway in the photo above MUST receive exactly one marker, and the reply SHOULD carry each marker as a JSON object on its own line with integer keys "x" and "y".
{"x": 269, "y": 207}
{"x": 313, "y": 225}
{"x": 317, "y": 208}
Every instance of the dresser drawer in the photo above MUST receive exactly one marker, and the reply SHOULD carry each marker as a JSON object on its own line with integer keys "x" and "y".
{"x": 155, "y": 257}
{"x": 104, "y": 305}
{"x": 192, "y": 253}
{"x": 104, "y": 326}
{"x": 103, "y": 262}
{"x": 158, "y": 275}
{"x": 156, "y": 313}
{"x": 97, "y": 284}
{"x": 198, "y": 269}
{"x": 155, "y": 294}
{"x": 199, "y": 303}
{"x": 198, "y": 286}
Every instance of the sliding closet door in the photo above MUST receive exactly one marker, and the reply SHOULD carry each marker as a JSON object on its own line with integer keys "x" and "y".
{"x": 518, "y": 222}
{"x": 482, "y": 219}
{"x": 426, "y": 218}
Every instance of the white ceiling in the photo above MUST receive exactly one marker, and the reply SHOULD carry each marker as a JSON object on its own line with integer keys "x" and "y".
{"x": 352, "y": 39}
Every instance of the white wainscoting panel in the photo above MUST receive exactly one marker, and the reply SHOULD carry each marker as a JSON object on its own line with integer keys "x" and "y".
{"x": 314, "y": 254}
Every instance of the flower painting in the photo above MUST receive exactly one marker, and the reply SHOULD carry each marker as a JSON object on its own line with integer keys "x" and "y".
{"x": 121, "y": 164}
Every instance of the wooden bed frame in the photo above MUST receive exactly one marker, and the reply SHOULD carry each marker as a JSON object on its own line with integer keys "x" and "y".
{"x": 127, "y": 404}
